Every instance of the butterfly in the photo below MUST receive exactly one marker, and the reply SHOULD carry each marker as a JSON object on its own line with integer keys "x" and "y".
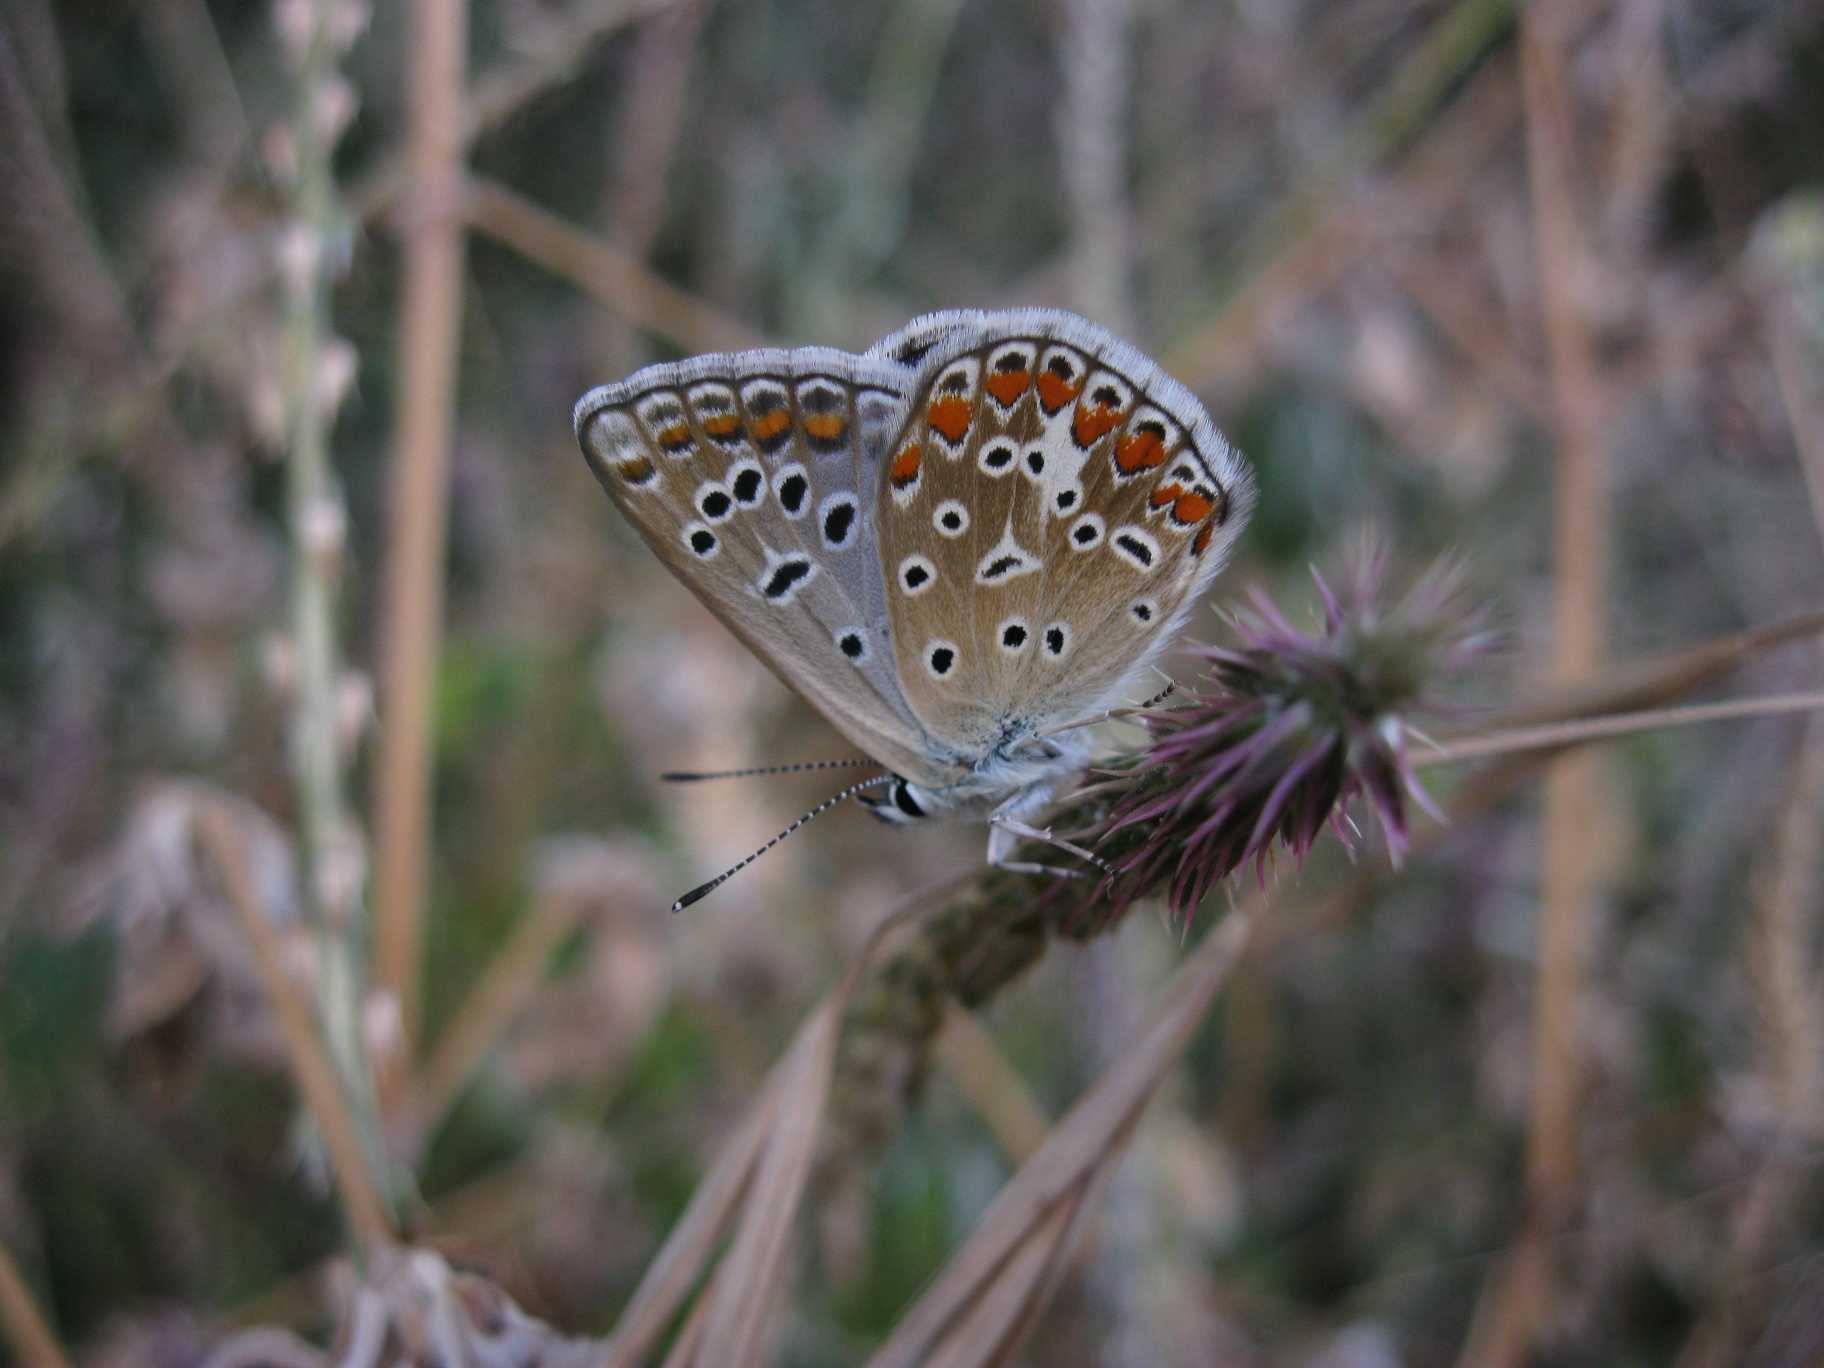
{"x": 952, "y": 545}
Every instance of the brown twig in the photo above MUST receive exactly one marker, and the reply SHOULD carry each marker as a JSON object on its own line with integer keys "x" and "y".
{"x": 1573, "y": 812}
{"x": 1558, "y": 735}
{"x": 1031, "y": 1216}
{"x": 603, "y": 271}
{"x": 411, "y": 620}
{"x": 990, "y": 1084}
{"x": 511, "y": 978}
{"x": 316, "y": 1077}
{"x": 25, "y": 1325}
{"x": 498, "y": 95}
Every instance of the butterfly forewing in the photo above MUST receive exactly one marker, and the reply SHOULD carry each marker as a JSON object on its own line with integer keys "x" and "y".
{"x": 752, "y": 475}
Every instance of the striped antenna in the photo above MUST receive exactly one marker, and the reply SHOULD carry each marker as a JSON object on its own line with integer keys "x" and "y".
{"x": 703, "y": 890}
{"x": 694, "y": 776}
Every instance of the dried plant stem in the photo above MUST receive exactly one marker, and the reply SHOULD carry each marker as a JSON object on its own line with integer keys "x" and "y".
{"x": 510, "y": 980}
{"x": 1557, "y": 735}
{"x": 1573, "y": 815}
{"x": 328, "y": 841}
{"x": 411, "y": 621}
{"x": 562, "y": 49}
{"x": 1795, "y": 369}
{"x": 603, "y": 271}
{"x": 1305, "y": 232}
{"x": 1782, "y": 959}
{"x": 1059, "y": 1177}
{"x": 24, "y": 1323}
{"x": 989, "y": 1084}
{"x": 316, "y": 1076}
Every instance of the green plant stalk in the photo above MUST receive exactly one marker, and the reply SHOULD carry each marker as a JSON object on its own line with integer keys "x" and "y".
{"x": 325, "y": 833}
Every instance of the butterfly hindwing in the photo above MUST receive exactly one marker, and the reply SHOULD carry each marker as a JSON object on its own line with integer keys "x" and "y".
{"x": 1097, "y": 499}
{"x": 753, "y": 475}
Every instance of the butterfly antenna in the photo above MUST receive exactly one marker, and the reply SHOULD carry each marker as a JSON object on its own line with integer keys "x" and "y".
{"x": 703, "y": 890}
{"x": 697, "y": 776}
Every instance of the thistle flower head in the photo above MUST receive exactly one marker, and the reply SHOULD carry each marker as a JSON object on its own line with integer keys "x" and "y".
{"x": 1286, "y": 728}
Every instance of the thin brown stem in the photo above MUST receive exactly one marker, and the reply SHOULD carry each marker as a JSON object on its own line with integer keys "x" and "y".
{"x": 24, "y": 1324}
{"x": 311, "y": 1068}
{"x": 603, "y": 271}
{"x": 1573, "y": 814}
{"x": 411, "y": 621}
{"x": 1558, "y": 735}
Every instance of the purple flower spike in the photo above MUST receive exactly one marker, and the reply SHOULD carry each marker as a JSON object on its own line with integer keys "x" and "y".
{"x": 1287, "y": 728}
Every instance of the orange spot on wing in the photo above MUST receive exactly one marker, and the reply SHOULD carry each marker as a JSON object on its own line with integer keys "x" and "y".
{"x": 769, "y": 425}
{"x": 1202, "y": 544}
{"x": 1007, "y": 386}
{"x": 674, "y": 438}
{"x": 950, "y": 416}
{"x": 1092, "y": 423}
{"x": 1055, "y": 391}
{"x": 825, "y": 427}
{"x": 904, "y": 469}
{"x": 721, "y": 425}
{"x": 637, "y": 471}
{"x": 1138, "y": 451}
{"x": 1165, "y": 494}
{"x": 1192, "y": 507}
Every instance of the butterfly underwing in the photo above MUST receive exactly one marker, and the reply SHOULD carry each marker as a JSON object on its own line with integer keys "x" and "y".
{"x": 987, "y": 524}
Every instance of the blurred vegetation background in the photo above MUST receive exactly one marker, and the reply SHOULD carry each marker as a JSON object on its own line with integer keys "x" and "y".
{"x": 1543, "y": 285}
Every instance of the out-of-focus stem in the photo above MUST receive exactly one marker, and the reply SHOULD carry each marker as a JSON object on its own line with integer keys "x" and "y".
{"x": 23, "y": 1323}
{"x": 1573, "y": 815}
{"x": 410, "y": 625}
{"x": 329, "y": 844}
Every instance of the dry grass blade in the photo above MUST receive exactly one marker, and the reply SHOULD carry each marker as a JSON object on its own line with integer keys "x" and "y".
{"x": 508, "y": 983}
{"x": 746, "y": 1284}
{"x": 24, "y": 1324}
{"x": 990, "y": 1085}
{"x": 1085, "y": 1142}
{"x": 687, "y": 1251}
{"x": 1559, "y": 735}
{"x": 563, "y": 48}
{"x": 1007, "y": 1310}
{"x": 418, "y": 515}
{"x": 759, "y": 1176}
{"x": 604, "y": 272}
{"x": 315, "y": 1075}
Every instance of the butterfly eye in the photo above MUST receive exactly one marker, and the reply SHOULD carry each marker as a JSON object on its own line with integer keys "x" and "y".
{"x": 951, "y": 518}
{"x": 940, "y": 658}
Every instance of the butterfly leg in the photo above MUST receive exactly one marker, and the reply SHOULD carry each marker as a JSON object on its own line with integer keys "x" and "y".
{"x": 1006, "y": 830}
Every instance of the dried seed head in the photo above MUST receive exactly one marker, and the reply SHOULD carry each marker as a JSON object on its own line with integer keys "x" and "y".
{"x": 1287, "y": 728}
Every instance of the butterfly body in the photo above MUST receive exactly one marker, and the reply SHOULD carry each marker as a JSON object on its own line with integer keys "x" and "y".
{"x": 984, "y": 526}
